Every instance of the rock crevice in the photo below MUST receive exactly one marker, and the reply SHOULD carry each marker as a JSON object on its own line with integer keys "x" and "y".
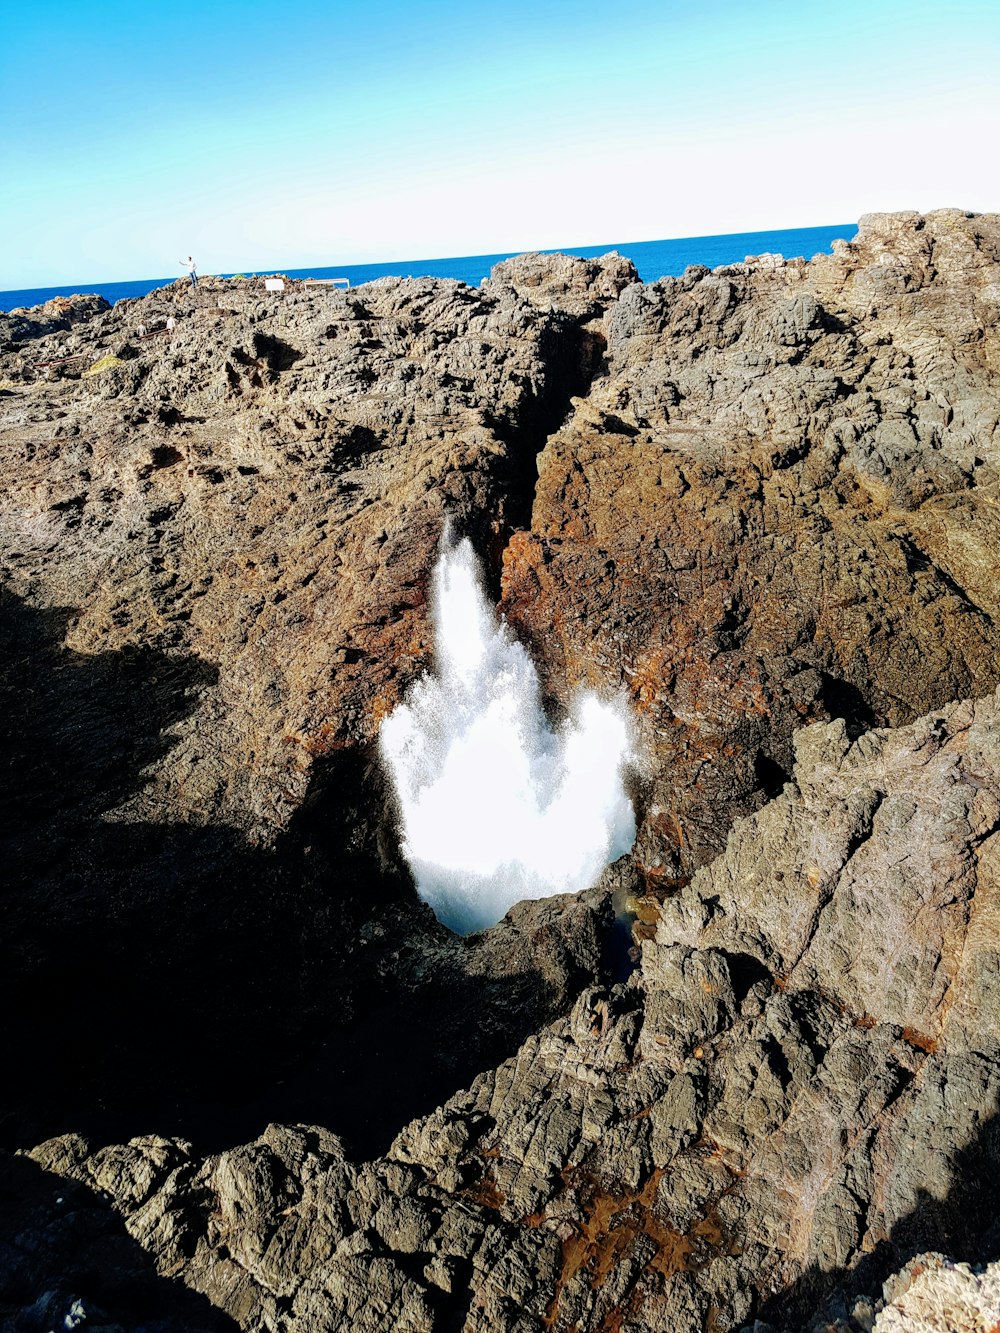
{"x": 760, "y": 503}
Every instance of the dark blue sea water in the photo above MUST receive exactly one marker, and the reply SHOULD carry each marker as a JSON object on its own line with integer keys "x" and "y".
{"x": 653, "y": 259}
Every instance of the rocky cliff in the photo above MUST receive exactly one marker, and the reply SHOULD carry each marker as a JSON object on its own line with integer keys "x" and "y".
{"x": 774, "y": 505}
{"x": 753, "y": 500}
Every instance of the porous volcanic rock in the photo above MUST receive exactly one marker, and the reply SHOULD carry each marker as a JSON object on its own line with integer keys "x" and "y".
{"x": 776, "y": 504}
{"x": 56, "y": 316}
{"x": 781, "y": 1102}
{"x": 749, "y": 500}
{"x": 930, "y": 1294}
{"x": 217, "y": 527}
{"x": 935, "y": 1293}
{"x": 584, "y": 288}
{"x": 264, "y": 486}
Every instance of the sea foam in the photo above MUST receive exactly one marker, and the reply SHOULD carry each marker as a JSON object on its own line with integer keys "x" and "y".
{"x": 495, "y": 805}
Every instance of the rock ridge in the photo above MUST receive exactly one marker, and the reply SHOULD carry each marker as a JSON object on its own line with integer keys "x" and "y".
{"x": 762, "y": 506}
{"x": 776, "y": 505}
{"x": 735, "y": 1131}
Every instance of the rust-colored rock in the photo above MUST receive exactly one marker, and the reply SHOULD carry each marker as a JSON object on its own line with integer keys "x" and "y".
{"x": 775, "y": 505}
{"x": 220, "y": 510}
{"x": 264, "y": 486}
{"x": 766, "y": 496}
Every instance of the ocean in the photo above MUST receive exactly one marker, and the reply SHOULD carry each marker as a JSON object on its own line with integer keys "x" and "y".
{"x": 653, "y": 259}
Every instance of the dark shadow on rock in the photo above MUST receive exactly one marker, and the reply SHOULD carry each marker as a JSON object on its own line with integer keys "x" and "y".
{"x": 964, "y": 1225}
{"x": 573, "y": 355}
{"x": 769, "y": 775}
{"x": 842, "y": 698}
{"x": 173, "y": 979}
{"x": 76, "y": 730}
{"x": 65, "y": 1256}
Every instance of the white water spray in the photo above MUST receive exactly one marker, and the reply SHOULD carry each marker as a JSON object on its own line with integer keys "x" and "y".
{"x": 495, "y": 805}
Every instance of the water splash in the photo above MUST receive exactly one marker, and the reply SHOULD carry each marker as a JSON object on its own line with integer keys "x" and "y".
{"x": 496, "y": 806}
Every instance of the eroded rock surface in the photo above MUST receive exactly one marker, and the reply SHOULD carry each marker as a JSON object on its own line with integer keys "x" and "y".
{"x": 56, "y": 316}
{"x": 934, "y": 1293}
{"x": 766, "y": 496}
{"x": 776, "y": 504}
{"x": 264, "y": 486}
{"x": 217, "y": 529}
{"x": 782, "y": 1100}
{"x": 584, "y": 288}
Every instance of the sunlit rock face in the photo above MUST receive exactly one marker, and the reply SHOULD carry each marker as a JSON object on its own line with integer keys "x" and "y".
{"x": 495, "y": 805}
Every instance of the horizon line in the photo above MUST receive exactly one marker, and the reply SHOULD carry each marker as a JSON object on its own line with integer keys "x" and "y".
{"x": 604, "y": 247}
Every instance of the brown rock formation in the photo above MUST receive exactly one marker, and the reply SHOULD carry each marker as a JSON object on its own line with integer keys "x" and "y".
{"x": 264, "y": 486}
{"x": 56, "y": 316}
{"x": 783, "y": 1097}
{"x": 215, "y": 551}
{"x": 776, "y": 504}
{"x": 766, "y": 496}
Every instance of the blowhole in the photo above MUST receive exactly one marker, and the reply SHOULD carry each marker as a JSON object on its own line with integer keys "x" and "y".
{"x": 496, "y": 803}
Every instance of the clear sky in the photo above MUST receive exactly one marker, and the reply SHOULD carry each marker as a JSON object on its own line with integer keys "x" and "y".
{"x": 257, "y": 134}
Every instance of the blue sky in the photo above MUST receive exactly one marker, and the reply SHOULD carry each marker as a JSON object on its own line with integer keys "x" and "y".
{"x": 260, "y": 134}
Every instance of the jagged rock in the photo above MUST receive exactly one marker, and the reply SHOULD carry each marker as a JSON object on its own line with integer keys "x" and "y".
{"x": 740, "y": 1128}
{"x": 930, "y": 1294}
{"x": 216, "y": 554}
{"x": 68, "y": 1261}
{"x": 584, "y": 288}
{"x": 765, "y": 498}
{"x": 773, "y": 507}
{"x": 59, "y": 315}
{"x": 264, "y": 486}
{"x": 934, "y": 1293}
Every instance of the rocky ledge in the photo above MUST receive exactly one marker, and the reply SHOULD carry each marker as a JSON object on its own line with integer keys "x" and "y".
{"x": 796, "y": 1088}
{"x": 56, "y": 316}
{"x": 752, "y": 500}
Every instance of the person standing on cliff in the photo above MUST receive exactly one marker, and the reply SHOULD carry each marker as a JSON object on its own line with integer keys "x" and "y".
{"x": 192, "y": 268}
